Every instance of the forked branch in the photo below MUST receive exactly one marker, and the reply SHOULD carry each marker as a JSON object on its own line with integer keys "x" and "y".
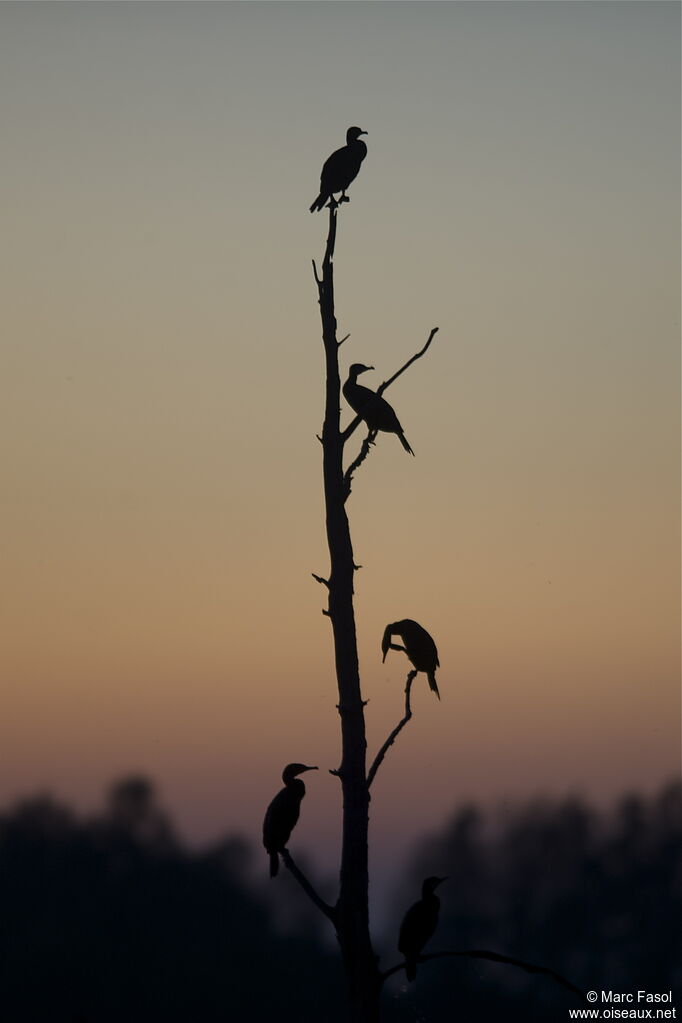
{"x": 495, "y": 957}
{"x": 396, "y": 731}
{"x": 357, "y": 462}
{"x": 313, "y": 895}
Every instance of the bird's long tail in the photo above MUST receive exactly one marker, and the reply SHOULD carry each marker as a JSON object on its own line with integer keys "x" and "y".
{"x": 319, "y": 202}
{"x": 410, "y": 969}
{"x": 274, "y": 864}
{"x": 433, "y": 685}
{"x": 403, "y": 441}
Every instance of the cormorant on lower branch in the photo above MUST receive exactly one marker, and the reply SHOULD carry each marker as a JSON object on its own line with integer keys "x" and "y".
{"x": 371, "y": 407}
{"x": 419, "y": 647}
{"x": 418, "y": 925}
{"x": 282, "y": 814}
{"x": 341, "y": 168}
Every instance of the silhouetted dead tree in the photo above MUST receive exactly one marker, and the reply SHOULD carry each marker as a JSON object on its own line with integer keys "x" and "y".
{"x": 350, "y": 914}
{"x": 352, "y": 910}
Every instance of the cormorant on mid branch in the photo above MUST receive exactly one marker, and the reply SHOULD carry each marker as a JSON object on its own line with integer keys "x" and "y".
{"x": 419, "y": 647}
{"x": 371, "y": 407}
{"x": 282, "y": 814}
{"x": 341, "y": 168}
{"x": 418, "y": 925}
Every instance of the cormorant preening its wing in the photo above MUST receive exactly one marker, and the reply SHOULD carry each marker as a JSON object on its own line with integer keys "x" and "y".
{"x": 419, "y": 647}
{"x": 341, "y": 168}
{"x": 371, "y": 407}
{"x": 282, "y": 814}
{"x": 418, "y": 925}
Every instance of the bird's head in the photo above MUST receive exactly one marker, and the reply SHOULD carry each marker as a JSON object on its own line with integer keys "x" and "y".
{"x": 386, "y": 639}
{"x": 291, "y": 771}
{"x": 353, "y": 134}
{"x": 357, "y": 368}
{"x": 430, "y": 884}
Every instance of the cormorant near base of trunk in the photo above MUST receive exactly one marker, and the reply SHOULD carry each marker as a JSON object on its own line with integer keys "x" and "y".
{"x": 282, "y": 814}
{"x": 341, "y": 168}
{"x": 371, "y": 407}
{"x": 419, "y": 647}
{"x": 418, "y": 925}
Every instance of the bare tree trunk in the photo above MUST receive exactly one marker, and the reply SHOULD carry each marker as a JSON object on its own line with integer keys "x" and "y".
{"x": 352, "y": 920}
{"x": 350, "y": 916}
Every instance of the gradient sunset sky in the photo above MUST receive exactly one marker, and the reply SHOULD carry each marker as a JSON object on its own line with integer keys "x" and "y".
{"x": 162, "y": 385}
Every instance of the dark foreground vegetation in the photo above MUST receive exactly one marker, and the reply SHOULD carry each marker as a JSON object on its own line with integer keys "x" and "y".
{"x": 112, "y": 918}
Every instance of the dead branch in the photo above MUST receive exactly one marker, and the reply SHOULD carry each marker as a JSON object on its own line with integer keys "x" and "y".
{"x": 328, "y": 260}
{"x": 396, "y": 731}
{"x": 357, "y": 462}
{"x": 382, "y": 387}
{"x": 495, "y": 957}
{"x": 324, "y": 907}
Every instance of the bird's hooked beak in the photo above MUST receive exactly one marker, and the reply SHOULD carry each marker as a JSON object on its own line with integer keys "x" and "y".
{"x": 365, "y": 368}
{"x": 386, "y": 642}
{"x": 307, "y": 769}
{"x": 364, "y": 133}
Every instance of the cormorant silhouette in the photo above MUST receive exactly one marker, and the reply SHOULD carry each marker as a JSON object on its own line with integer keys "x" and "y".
{"x": 418, "y": 925}
{"x": 419, "y": 647}
{"x": 371, "y": 407}
{"x": 341, "y": 168}
{"x": 282, "y": 813}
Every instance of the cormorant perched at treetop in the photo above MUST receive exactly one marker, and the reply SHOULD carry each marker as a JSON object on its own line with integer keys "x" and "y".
{"x": 282, "y": 814}
{"x": 371, "y": 407}
{"x": 419, "y": 647}
{"x": 418, "y": 925}
{"x": 341, "y": 168}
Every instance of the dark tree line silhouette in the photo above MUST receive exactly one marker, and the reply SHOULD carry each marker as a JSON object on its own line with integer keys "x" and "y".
{"x": 597, "y": 895}
{"x": 111, "y": 917}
